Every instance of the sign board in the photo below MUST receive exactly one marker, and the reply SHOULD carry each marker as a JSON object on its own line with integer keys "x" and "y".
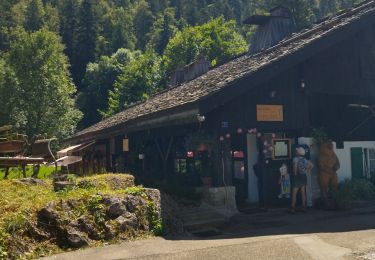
{"x": 125, "y": 145}
{"x": 270, "y": 113}
{"x": 281, "y": 149}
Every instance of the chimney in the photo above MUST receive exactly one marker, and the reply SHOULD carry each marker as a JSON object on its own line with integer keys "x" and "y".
{"x": 189, "y": 72}
{"x": 272, "y": 28}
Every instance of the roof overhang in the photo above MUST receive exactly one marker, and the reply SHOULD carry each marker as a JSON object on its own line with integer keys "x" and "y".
{"x": 185, "y": 115}
{"x": 74, "y": 148}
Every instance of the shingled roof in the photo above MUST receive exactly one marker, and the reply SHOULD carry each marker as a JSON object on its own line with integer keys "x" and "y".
{"x": 222, "y": 76}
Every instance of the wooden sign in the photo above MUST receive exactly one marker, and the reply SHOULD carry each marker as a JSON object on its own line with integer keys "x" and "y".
{"x": 125, "y": 145}
{"x": 270, "y": 113}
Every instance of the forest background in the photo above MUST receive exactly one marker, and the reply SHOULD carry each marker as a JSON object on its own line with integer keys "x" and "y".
{"x": 67, "y": 64}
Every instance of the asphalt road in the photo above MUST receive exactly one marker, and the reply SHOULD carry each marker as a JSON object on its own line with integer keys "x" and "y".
{"x": 314, "y": 235}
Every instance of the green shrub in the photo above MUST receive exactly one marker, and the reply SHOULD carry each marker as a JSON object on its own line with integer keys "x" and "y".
{"x": 136, "y": 191}
{"x": 362, "y": 189}
{"x": 355, "y": 189}
{"x": 154, "y": 219}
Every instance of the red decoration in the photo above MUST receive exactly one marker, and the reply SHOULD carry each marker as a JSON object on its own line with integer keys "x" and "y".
{"x": 238, "y": 154}
{"x": 190, "y": 154}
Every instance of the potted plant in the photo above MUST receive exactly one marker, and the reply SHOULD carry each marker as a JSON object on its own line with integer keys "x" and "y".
{"x": 343, "y": 196}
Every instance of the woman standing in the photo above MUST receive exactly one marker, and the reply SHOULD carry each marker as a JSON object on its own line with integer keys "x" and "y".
{"x": 301, "y": 167}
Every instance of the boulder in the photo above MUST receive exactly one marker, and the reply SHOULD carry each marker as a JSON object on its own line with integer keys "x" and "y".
{"x": 109, "y": 200}
{"x": 32, "y": 181}
{"x": 36, "y": 233}
{"x": 116, "y": 209}
{"x": 85, "y": 225}
{"x": 76, "y": 239}
{"x": 110, "y": 231}
{"x": 48, "y": 216}
{"x": 133, "y": 202}
{"x": 127, "y": 221}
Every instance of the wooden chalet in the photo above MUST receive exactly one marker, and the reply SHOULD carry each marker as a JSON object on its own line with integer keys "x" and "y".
{"x": 253, "y": 109}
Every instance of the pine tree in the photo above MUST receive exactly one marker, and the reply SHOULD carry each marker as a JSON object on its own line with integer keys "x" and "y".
{"x": 34, "y": 15}
{"x": 86, "y": 35}
{"x": 68, "y": 23}
{"x": 143, "y": 20}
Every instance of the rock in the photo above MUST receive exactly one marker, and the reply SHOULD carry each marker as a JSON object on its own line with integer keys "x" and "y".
{"x": 127, "y": 221}
{"x": 109, "y": 200}
{"x": 110, "y": 232}
{"x": 117, "y": 209}
{"x": 48, "y": 216}
{"x": 132, "y": 202}
{"x": 60, "y": 177}
{"x": 32, "y": 181}
{"x": 154, "y": 195}
{"x": 76, "y": 239}
{"x": 36, "y": 233}
{"x": 85, "y": 225}
{"x": 62, "y": 185}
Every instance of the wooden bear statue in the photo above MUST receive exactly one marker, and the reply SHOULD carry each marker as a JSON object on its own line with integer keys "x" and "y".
{"x": 328, "y": 166}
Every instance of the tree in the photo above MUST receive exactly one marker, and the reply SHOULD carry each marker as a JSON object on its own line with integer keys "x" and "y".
{"x": 118, "y": 29}
{"x": 139, "y": 80}
{"x": 34, "y": 15}
{"x": 68, "y": 22}
{"x": 98, "y": 81}
{"x": 164, "y": 28}
{"x": 86, "y": 36}
{"x": 143, "y": 20}
{"x": 43, "y": 97}
{"x": 217, "y": 40}
{"x": 8, "y": 86}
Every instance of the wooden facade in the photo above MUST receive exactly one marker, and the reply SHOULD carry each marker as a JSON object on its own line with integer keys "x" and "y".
{"x": 322, "y": 77}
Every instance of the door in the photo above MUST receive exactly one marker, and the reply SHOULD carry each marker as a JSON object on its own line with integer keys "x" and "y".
{"x": 356, "y": 155}
{"x": 252, "y": 159}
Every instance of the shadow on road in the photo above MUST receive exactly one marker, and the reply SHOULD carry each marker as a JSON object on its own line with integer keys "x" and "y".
{"x": 279, "y": 222}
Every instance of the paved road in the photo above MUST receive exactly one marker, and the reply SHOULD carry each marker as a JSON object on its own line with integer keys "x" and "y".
{"x": 315, "y": 235}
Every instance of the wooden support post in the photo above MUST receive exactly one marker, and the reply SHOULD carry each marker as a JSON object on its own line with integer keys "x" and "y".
{"x": 24, "y": 170}
{"x": 36, "y": 169}
{"x": 164, "y": 156}
{"x": 6, "y": 172}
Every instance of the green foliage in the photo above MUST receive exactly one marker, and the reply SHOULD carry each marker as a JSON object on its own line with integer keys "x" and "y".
{"x": 319, "y": 136}
{"x": 136, "y": 191}
{"x": 40, "y": 99}
{"x": 154, "y": 219}
{"x": 355, "y": 189}
{"x": 99, "y": 80}
{"x": 164, "y": 28}
{"x": 96, "y": 208}
{"x": 16, "y": 173}
{"x": 362, "y": 189}
{"x": 14, "y": 223}
{"x": 140, "y": 79}
{"x": 34, "y": 15}
{"x": 217, "y": 40}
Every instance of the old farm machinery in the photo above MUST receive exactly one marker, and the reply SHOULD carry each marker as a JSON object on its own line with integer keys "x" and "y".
{"x": 14, "y": 147}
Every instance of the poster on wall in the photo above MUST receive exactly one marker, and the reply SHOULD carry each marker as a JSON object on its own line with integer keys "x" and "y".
{"x": 281, "y": 149}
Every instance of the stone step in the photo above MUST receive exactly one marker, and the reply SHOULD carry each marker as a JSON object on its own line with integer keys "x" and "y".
{"x": 204, "y": 224}
{"x": 201, "y": 218}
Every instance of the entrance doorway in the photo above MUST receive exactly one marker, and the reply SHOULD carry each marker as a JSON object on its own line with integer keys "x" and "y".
{"x": 252, "y": 159}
